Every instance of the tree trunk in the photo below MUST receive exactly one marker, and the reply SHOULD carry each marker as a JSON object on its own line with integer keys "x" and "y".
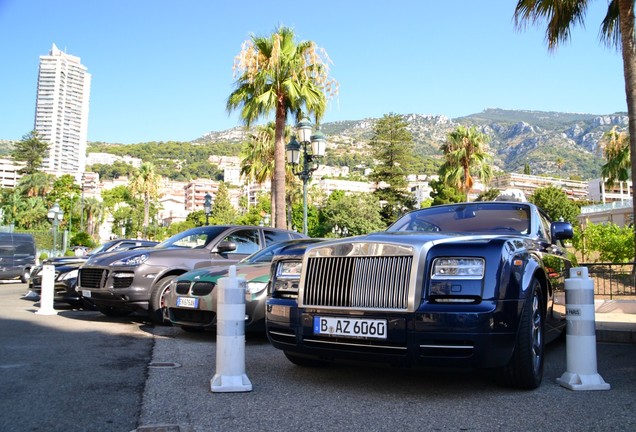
{"x": 278, "y": 186}
{"x": 628, "y": 47}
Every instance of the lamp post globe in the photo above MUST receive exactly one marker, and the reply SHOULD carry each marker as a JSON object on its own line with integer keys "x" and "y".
{"x": 311, "y": 148}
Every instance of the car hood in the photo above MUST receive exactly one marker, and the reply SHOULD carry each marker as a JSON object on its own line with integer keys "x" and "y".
{"x": 213, "y": 274}
{"x": 66, "y": 260}
{"x": 108, "y": 258}
{"x": 410, "y": 238}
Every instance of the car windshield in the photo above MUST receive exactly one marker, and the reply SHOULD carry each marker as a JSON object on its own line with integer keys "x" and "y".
{"x": 267, "y": 254}
{"x": 468, "y": 218}
{"x": 193, "y": 238}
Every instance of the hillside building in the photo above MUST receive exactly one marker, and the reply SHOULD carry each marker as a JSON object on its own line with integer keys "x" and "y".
{"x": 576, "y": 190}
{"x": 61, "y": 110}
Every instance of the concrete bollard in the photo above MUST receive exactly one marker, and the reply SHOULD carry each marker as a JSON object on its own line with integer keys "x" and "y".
{"x": 47, "y": 291}
{"x": 230, "y": 336}
{"x": 581, "y": 372}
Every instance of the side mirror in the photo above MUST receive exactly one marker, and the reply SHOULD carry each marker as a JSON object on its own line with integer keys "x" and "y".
{"x": 225, "y": 246}
{"x": 561, "y": 231}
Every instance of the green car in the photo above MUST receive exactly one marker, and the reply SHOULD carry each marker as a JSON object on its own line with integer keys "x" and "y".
{"x": 191, "y": 298}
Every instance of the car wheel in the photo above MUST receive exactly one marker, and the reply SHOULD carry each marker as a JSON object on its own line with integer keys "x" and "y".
{"x": 157, "y": 307}
{"x": 26, "y": 275}
{"x": 111, "y": 312}
{"x": 525, "y": 369}
{"x": 304, "y": 361}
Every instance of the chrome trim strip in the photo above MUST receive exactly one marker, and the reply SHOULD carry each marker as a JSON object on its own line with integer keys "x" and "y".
{"x": 355, "y": 345}
{"x": 449, "y": 346}
{"x": 282, "y": 334}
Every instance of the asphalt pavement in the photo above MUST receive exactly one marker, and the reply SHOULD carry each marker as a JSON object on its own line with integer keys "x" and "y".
{"x": 81, "y": 371}
{"x": 286, "y": 397}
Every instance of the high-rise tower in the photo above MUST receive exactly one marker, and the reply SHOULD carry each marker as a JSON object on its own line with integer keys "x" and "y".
{"x": 61, "y": 111}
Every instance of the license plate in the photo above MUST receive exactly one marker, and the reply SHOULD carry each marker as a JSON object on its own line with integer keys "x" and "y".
{"x": 86, "y": 293}
{"x": 352, "y": 327}
{"x": 188, "y": 302}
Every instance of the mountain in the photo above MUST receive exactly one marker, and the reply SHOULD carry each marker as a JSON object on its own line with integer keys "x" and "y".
{"x": 551, "y": 143}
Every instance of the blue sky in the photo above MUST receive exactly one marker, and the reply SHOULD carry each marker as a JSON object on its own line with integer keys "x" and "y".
{"x": 162, "y": 69}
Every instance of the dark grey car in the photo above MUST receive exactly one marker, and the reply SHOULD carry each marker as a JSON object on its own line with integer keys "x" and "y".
{"x": 122, "y": 282}
{"x": 17, "y": 256}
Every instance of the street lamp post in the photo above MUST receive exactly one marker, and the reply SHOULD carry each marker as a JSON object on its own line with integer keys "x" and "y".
{"x": 55, "y": 215}
{"x": 207, "y": 207}
{"x": 310, "y": 159}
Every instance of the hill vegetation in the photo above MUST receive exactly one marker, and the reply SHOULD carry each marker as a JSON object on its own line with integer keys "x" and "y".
{"x": 550, "y": 143}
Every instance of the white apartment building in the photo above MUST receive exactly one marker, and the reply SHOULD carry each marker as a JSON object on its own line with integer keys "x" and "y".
{"x": 61, "y": 111}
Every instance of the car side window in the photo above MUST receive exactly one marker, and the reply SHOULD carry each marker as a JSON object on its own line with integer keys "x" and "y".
{"x": 544, "y": 228}
{"x": 247, "y": 241}
{"x": 272, "y": 237}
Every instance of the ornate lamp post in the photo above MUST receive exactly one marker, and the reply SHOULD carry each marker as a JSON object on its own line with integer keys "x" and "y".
{"x": 55, "y": 215}
{"x": 310, "y": 157}
{"x": 207, "y": 207}
{"x": 340, "y": 232}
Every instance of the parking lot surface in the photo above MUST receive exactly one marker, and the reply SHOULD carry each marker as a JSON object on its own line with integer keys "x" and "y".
{"x": 81, "y": 371}
{"x": 354, "y": 398}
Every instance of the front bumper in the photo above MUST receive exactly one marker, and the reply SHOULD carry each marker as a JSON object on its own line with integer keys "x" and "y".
{"x": 120, "y": 288}
{"x": 483, "y": 337}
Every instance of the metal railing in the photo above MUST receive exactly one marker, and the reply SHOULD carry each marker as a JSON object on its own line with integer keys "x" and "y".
{"x": 613, "y": 280}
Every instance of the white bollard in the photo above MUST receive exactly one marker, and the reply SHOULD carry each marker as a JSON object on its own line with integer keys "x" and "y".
{"x": 47, "y": 291}
{"x": 230, "y": 336}
{"x": 581, "y": 372}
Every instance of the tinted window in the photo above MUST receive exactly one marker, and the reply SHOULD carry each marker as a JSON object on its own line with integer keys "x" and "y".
{"x": 276, "y": 237}
{"x": 193, "y": 238}
{"x": 247, "y": 241}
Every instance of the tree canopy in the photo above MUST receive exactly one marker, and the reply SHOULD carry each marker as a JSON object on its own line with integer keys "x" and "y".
{"x": 31, "y": 150}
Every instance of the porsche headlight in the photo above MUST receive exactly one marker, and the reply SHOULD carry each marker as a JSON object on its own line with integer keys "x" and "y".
{"x": 458, "y": 268}
{"x": 132, "y": 261}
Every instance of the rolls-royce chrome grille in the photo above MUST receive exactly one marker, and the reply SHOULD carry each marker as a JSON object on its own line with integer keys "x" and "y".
{"x": 374, "y": 282}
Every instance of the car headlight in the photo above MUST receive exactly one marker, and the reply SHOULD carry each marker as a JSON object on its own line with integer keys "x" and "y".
{"x": 70, "y": 275}
{"x": 460, "y": 268}
{"x": 286, "y": 279}
{"x": 289, "y": 269}
{"x": 132, "y": 261}
{"x": 255, "y": 287}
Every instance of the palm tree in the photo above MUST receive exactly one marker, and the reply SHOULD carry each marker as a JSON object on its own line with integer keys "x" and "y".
{"x": 616, "y": 151}
{"x": 276, "y": 74}
{"x": 36, "y": 184}
{"x": 12, "y": 205}
{"x": 94, "y": 210}
{"x": 465, "y": 150}
{"x": 146, "y": 184}
{"x": 617, "y": 29}
{"x": 257, "y": 158}
{"x": 257, "y": 155}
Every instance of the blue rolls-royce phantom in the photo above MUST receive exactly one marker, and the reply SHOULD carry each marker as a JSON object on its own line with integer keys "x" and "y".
{"x": 475, "y": 285}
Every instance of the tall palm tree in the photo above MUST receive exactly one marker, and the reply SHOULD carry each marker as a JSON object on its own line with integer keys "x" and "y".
{"x": 465, "y": 150}
{"x": 617, "y": 29}
{"x": 257, "y": 158}
{"x": 616, "y": 151}
{"x": 94, "y": 210}
{"x": 275, "y": 74}
{"x": 146, "y": 184}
